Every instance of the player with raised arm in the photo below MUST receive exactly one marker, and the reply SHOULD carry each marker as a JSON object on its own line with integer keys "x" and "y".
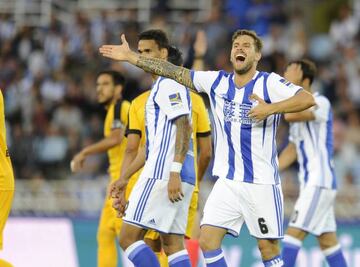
{"x": 311, "y": 143}
{"x": 201, "y": 139}
{"x": 246, "y": 105}
{"x": 109, "y": 87}
{"x": 7, "y": 183}
{"x": 161, "y": 197}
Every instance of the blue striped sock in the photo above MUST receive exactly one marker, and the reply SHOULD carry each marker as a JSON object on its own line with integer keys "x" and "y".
{"x": 274, "y": 262}
{"x": 291, "y": 247}
{"x": 335, "y": 257}
{"x": 179, "y": 259}
{"x": 215, "y": 258}
{"x": 141, "y": 255}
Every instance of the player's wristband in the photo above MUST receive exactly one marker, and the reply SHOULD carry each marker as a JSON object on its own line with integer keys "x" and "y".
{"x": 176, "y": 167}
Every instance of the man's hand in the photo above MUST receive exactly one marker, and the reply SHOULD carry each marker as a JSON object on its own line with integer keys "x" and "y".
{"x": 174, "y": 187}
{"x": 261, "y": 111}
{"x": 117, "y": 191}
{"x": 77, "y": 162}
{"x": 200, "y": 44}
{"x": 294, "y": 73}
{"x": 117, "y": 52}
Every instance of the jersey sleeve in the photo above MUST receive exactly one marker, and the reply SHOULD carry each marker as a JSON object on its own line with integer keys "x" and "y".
{"x": 133, "y": 126}
{"x": 173, "y": 99}
{"x": 203, "y": 80}
{"x": 118, "y": 122}
{"x": 280, "y": 89}
{"x": 203, "y": 122}
{"x": 321, "y": 110}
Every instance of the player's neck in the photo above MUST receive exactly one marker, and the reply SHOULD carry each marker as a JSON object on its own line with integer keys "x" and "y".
{"x": 241, "y": 80}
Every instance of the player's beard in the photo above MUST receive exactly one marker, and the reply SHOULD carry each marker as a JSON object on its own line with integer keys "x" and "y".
{"x": 245, "y": 69}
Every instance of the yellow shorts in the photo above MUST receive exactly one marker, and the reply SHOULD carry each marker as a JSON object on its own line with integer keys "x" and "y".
{"x": 153, "y": 235}
{"x": 6, "y": 198}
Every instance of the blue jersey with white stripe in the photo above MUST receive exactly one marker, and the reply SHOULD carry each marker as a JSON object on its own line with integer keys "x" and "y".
{"x": 314, "y": 146}
{"x": 245, "y": 150}
{"x": 167, "y": 101}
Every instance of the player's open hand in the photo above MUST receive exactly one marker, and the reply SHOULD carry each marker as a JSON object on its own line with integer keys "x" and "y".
{"x": 294, "y": 73}
{"x": 120, "y": 204}
{"x": 200, "y": 44}
{"x": 117, "y": 52}
{"x": 261, "y": 111}
{"x": 77, "y": 162}
{"x": 174, "y": 187}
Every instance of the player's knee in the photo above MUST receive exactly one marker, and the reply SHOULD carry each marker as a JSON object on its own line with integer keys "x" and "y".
{"x": 126, "y": 239}
{"x": 268, "y": 248}
{"x": 327, "y": 241}
{"x": 171, "y": 246}
{"x": 207, "y": 243}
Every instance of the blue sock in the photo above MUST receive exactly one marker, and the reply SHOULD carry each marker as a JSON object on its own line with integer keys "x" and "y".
{"x": 179, "y": 259}
{"x": 141, "y": 255}
{"x": 291, "y": 247}
{"x": 274, "y": 262}
{"x": 335, "y": 257}
{"x": 215, "y": 258}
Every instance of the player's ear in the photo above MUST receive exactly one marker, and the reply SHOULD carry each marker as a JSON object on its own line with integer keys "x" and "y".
{"x": 257, "y": 56}
{"x": 119, "y": 89}
{"x": 164, "y": 53}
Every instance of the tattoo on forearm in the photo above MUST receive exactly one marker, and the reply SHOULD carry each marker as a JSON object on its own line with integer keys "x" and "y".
{"x": 166, "y": 69}
{"x": 183, "y": 132}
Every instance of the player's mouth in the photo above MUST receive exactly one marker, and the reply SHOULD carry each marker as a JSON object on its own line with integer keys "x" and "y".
{"x": 240, "y": 58}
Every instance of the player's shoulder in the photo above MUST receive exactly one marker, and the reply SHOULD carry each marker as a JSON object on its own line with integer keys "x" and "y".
{"x": 170, "y": 83}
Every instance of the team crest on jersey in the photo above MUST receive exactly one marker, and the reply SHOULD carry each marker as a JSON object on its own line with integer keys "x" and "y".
{"x": 175, "y": 99}
{"x": 235, "y": 112}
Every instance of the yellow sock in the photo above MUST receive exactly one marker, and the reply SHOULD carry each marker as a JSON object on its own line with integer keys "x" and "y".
{"x": 163, "y": 260}
{"x": 4, "y": 263}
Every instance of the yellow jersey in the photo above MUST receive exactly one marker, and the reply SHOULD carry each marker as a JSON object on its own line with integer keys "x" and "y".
{"x": 6, "y": 171}
{"x": 199, "y": 114}
{"x": 116, "y": 117}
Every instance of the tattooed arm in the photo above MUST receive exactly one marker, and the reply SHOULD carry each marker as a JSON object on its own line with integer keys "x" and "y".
{"x": 153, "y": 65}
{"x": 183, "y": 132}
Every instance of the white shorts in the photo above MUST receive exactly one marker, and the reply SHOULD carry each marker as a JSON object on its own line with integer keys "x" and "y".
{"x": 230, "y": 203}
{"x": 314, "y": 210}
{"x": 150, "y": 208}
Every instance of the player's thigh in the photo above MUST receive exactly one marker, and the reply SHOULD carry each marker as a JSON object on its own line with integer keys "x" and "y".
{"x": 6, "y": 198}
{"x": 192, "y": 214}
{"x": 269, "y": 248}
{"x": 262, "y": 206}
{"x": 314, "y": 210}
{"x": 222, "y": 207}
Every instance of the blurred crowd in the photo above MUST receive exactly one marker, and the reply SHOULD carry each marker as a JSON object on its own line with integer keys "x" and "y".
{"x": 47, "y": 75}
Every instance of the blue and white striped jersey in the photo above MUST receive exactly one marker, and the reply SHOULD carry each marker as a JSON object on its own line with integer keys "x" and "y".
{"x": 245, "y": 150}
{"x": 167, "y": 101}
{"x": 314, "y": 146}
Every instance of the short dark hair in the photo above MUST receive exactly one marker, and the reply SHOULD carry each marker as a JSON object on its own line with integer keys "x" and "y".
{"x": 158, "y": 36}
{"x": 308, "y": 68}
{"x": 117, "y": 77}
{"x": 175, "y": 56}
{"x": 257, "y": 40}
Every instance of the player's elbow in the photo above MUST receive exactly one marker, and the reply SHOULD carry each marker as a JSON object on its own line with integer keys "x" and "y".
{"x": 308, "y": 100}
